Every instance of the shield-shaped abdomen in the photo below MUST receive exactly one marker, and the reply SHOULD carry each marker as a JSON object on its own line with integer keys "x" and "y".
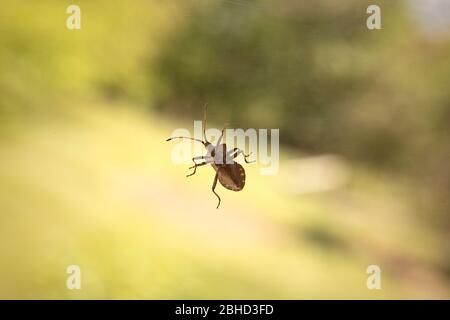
{"x": 232, "y": 176}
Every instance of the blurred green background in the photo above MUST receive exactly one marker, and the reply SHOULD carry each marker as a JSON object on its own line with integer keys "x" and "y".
{"x": 87, "y": 179}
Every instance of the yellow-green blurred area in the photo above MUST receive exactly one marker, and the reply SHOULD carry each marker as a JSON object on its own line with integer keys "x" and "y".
{"x": 87, "y": 179}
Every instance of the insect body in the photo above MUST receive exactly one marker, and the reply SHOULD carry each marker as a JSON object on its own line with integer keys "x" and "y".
{"x": 229, "y": 173}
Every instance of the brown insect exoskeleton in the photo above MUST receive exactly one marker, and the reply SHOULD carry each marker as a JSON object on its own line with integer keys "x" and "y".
{"x": 230, "y": 173}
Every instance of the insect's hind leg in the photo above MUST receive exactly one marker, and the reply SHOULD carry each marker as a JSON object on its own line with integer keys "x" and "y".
{"x": 214, "y": 187}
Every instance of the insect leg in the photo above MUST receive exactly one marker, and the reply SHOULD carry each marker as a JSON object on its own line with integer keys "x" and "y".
{"x": 214, "y": 187}
{"x": 206, "y": 158}
{"x": 195, "y": 167}
{"x": 233, "y": 153}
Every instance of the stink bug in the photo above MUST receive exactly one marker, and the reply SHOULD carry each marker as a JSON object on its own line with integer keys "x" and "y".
{"x": 230, "y": 173}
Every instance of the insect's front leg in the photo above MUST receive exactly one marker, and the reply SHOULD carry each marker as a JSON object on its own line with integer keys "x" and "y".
{"x": 233, "y": 153}
{"x": 199, "y": 158}
{"x": 207, "y": 161}
{"x": 195, "y": 168}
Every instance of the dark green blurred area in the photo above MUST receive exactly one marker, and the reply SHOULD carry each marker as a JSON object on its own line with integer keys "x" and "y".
{"x": 317, "y": 73}
{"x": 86, "y": 177}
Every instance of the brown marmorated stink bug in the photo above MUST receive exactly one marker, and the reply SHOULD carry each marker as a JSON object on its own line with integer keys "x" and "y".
{"x": 230, "y": 173}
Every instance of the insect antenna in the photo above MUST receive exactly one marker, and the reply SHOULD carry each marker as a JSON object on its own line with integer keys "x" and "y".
{"x": 187, "y": 138}
{"x": 221, "y": 134}
{"x": 204, "y": 123}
